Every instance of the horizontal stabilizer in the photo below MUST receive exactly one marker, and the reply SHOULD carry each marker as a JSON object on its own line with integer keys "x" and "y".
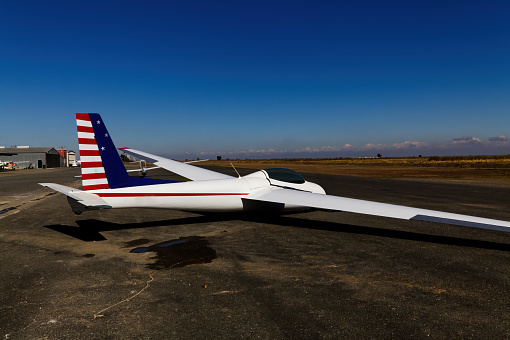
{"x": 308, "y": 199}
{"x": 138, "y": 170}
{"x": 87, "y": 199}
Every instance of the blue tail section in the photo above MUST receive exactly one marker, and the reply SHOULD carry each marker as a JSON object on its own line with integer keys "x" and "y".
{"x": 114, "y": 168}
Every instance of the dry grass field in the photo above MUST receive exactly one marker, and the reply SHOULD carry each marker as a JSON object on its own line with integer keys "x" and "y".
{"x": 473, "y": 168}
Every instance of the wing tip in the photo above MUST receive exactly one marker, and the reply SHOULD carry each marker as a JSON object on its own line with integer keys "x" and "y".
{"x": 464, "y": 223}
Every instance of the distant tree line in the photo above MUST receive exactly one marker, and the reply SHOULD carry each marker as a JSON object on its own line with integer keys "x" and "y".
{"x": 465, "y": 158}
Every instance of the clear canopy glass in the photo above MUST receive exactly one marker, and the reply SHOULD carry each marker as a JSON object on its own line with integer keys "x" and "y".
{"x": 285, "y": 175}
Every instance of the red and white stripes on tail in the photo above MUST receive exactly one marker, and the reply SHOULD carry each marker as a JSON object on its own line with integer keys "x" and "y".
{"x": 92, "y": 171}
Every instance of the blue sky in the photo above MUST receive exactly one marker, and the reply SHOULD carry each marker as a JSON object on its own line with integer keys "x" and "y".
{"x": 260, "y": 79}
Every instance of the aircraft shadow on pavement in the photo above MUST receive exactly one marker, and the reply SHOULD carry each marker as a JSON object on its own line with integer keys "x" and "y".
{"x": 381, "y": 232}
{"x": 90, "y": 230}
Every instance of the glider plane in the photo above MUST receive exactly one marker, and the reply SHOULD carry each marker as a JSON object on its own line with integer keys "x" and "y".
{"x": 106, "y": 184}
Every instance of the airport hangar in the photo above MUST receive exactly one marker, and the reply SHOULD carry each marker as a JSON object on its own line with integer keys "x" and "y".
{"x": 38, "y": 157}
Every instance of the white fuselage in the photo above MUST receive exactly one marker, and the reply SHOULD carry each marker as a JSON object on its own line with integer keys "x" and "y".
{"x": 210, "y": 195}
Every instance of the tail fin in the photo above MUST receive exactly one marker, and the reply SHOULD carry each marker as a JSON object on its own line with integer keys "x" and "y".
{"x": 101, "y": 166}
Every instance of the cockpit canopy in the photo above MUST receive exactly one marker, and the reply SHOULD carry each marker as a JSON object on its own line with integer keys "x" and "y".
{"x": 285, "y": 175}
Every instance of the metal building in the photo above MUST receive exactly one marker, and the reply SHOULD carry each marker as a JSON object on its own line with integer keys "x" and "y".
{"x": 39, "y": 158}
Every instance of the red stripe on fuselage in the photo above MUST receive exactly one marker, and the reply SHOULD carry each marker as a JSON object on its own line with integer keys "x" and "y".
{"x": 91, "y": 164}
{"x": 166, "y": 194}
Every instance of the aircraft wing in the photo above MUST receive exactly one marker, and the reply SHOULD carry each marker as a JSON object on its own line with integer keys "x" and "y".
{"x": 308, "y": 199}
{"x": 191, "y": 172}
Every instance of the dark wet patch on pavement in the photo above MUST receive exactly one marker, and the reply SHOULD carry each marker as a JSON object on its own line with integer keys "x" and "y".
{"x": 179, "y": 253}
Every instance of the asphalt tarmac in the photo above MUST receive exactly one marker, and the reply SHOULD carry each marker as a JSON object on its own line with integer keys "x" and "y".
{"x": 154, "y": 274}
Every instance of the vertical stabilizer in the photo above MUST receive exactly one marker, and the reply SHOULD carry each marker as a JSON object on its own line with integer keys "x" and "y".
{"x": 101, "y": 166}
